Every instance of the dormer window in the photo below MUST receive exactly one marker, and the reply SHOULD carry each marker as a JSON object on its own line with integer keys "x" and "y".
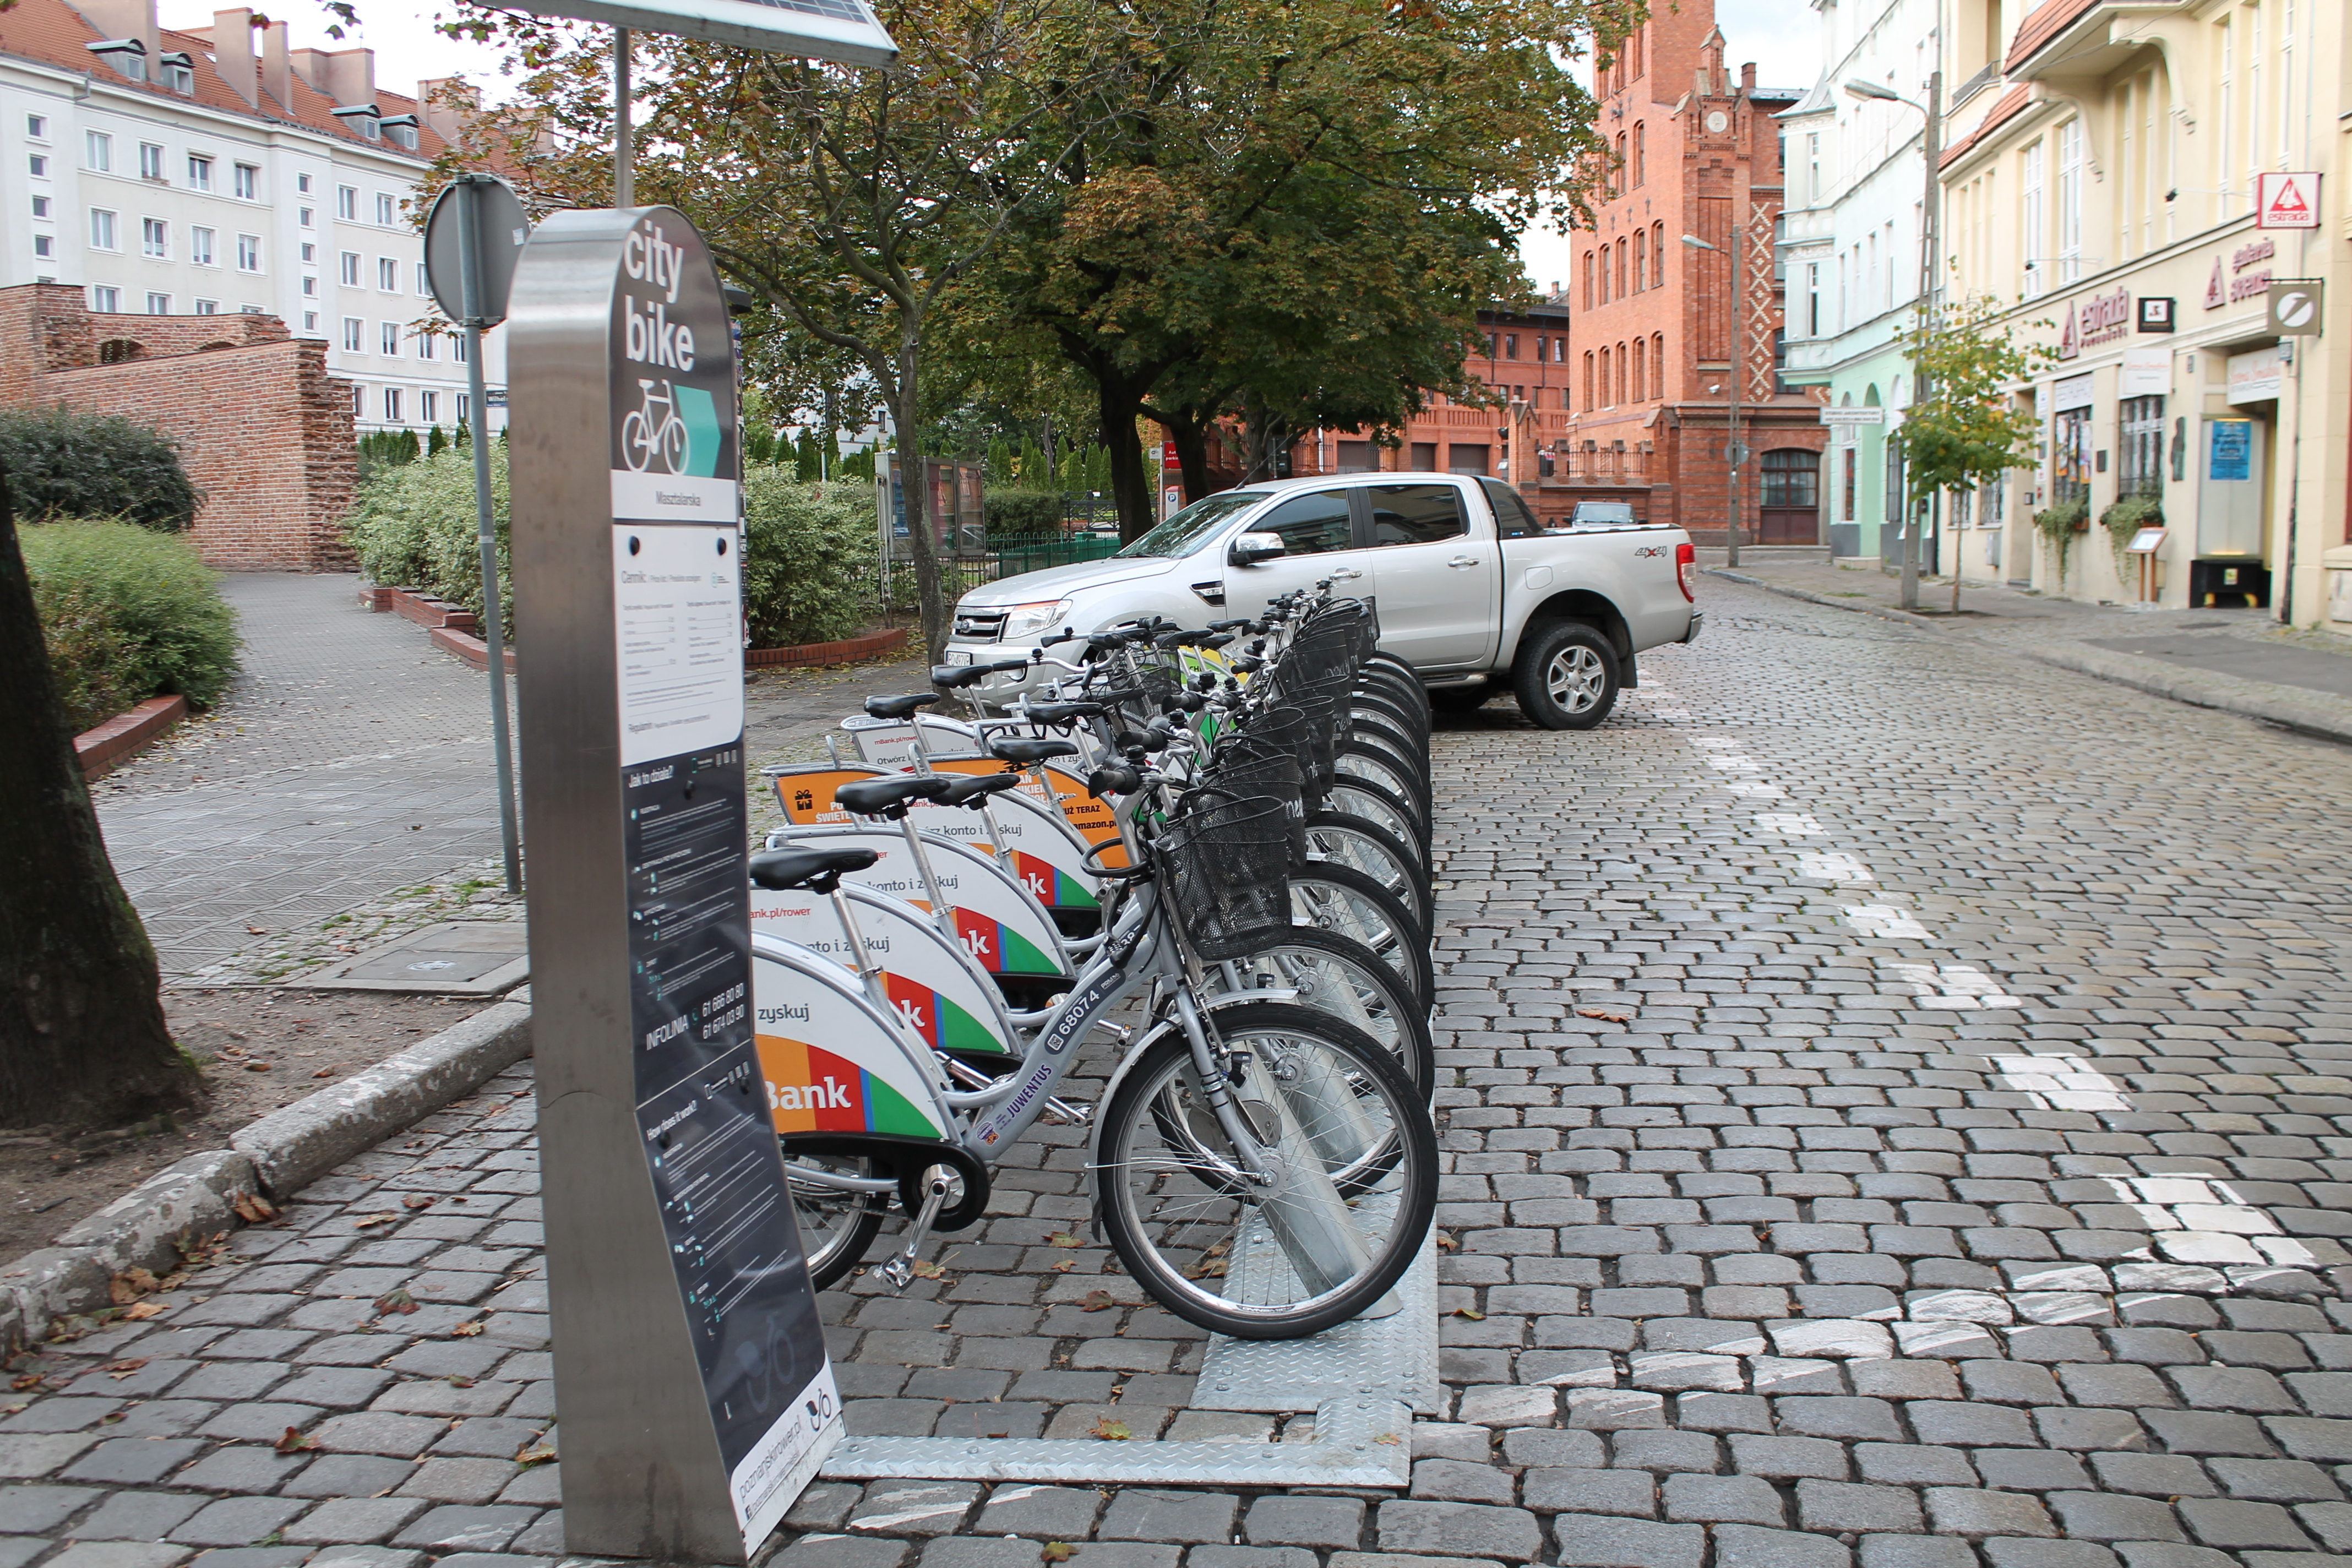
{"x": 400, "y": 129}
{"x": 362, "y": 120}
{"x": 127, "y": 56}
{"x": 179, "y": 73}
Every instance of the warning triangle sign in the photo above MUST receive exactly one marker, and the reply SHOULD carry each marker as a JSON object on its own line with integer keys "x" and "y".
{"x": 2215, "y": 298}
{"x": 2285, "y": 202}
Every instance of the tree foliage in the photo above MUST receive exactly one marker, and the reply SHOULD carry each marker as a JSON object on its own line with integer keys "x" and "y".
{"x": 67, "y": 462}
{"x": 1966, "y": 431}
{"x": 128, "y": 613}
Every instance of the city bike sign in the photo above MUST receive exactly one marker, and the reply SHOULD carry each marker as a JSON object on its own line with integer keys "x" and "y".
{"x": 690, "y": 1363}
{"x": 843, "y": 31}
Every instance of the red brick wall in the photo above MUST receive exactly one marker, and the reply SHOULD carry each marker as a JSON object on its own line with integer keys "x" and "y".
{"x": 263, "y": 430}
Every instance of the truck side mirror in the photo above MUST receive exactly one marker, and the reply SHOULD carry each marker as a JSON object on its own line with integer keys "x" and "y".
{"x": 1249, "y": 549}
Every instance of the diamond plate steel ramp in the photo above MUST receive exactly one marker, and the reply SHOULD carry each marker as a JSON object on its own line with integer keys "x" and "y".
{"x": 1357, "y": 1443}
{"x": 1391, "y": 1357}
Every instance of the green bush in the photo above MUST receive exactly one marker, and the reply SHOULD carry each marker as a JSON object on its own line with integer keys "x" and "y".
{"x": 413, "y": 526}
{"x": 65, "y": 463}
{"x": 128, "y": 613}
{"x": 1008, "y": 512}
{"x": 808, "y": 558}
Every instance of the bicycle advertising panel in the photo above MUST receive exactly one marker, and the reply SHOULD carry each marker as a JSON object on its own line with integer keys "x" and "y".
{"x": 629, "y": 572}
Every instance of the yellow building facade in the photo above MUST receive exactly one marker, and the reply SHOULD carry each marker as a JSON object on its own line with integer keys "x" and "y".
{"x": 2122, "y": 177}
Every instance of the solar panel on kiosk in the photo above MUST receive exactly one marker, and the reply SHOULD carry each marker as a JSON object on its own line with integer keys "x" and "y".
{"x": 843, "y": 30}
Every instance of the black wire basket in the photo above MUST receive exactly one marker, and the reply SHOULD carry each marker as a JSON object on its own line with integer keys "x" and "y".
{"x": 1226, "y": 863}
{"x": 1320, "y": 729}
{"x": 1260, "y": 761}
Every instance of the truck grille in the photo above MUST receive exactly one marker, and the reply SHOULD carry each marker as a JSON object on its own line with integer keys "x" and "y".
{"x": 979, "y": 625}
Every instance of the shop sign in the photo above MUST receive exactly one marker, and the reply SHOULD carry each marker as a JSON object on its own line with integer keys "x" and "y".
{"x": 2238, "y": 283}
{"x": 2074, "y": 392}
{"x": 1865, "y": 415}
{"x": 2101, "y": 319}
{"x": 2286, "y": 201}
{"x": 2156, "y": 313}
{"x": 2296, "y": 308}
{"x": 2257, "y": 376}
{"x": 2146, "y": 373}
{"x": 2230, "y": 457}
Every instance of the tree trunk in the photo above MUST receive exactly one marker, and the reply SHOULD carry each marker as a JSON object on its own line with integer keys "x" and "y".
{"x": 1191, "y": 439}
{"x": 931, "y": 602}
{"x": 1122, "y": 400}
{"x": 82, "y": 1035}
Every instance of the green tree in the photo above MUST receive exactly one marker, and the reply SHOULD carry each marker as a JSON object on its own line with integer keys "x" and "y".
{"x": 1965, "y": 430}
{"x": 82, "y": 1035}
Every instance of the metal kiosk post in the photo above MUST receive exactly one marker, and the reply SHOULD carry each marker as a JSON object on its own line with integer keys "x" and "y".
{"x": 690, "y": 1367}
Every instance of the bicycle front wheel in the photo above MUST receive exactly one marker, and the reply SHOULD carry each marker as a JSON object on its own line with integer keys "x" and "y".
{"x": 1349, "y": 1187}
{"x": 836, "y": 1226}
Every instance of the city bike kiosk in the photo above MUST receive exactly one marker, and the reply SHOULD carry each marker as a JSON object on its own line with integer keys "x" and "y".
{"x": 689, "y": 1365}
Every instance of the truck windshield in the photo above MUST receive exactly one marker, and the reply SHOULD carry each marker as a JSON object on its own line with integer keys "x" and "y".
{"x": 1182, "y": 534}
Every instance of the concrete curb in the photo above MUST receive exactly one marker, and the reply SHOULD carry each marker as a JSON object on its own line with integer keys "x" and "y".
{"x": 275, "y": 1156}
{"x": 2140, "y": 675}
{"x": 127, "y": 735}
{"x": 1901, "y": 618}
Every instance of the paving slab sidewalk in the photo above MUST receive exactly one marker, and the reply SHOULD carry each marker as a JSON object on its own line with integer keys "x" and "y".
{"x": 2238, "y": 660}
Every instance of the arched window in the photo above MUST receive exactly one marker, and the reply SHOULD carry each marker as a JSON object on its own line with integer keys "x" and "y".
{"x": 115, "y": 351}
{"x": 1589, "y": 404}
{"x": 1640, "y": 260}
{"x": 1621, "y": 268}
{"x": 1617, "y": 177}
{"x": 1623, "y": 372}
{"x": 1640, "y": 151}
{"x": 1658, "y": 250}
{"x": 1658, "y": 366}
{"x": 1587, "y": 281}
{"x": 1608, "y": 387}
{"x": 1635, "y": 376}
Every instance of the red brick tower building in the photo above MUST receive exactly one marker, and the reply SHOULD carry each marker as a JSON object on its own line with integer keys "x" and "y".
{"x": 1651, "y": 328}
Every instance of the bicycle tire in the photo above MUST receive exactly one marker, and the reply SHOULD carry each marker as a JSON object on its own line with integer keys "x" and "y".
{"x": 1381, "y": 766}
{"x": 1330, "y": 896}
{"x": 1383, "y": 703}
{"x": 835, "y": 1228}
{"x": 1380, "y": 1003}
{"x": 1403, "y": 677}
{"x": 1373, "y": 731}
{"x": 1391, "y": 1148}
{"x": 1374, "y": 850}
{"x": 1375, "y": 802}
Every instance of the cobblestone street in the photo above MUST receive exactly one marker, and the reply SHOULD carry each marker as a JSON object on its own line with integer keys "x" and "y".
{"x": 1897, "y": 1105}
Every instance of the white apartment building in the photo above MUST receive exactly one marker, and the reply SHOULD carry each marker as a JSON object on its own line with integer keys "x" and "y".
{"x": 195, "y": 171}
{"x": 1850, "y": 253}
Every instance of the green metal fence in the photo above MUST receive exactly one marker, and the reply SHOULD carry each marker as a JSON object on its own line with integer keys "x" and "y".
{"x": 1033, "y": 553}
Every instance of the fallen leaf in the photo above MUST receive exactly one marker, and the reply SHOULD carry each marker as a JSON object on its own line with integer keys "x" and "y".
{"x": 14, "y": 1409}
{"x": 257, "y": 1067}
{"x": 924, "y": 1268}
{"x": 459, "y": 1380}
{"x": 253, "y": 1208}
{"x": 1057, "y": 1552}
{"x": 416, "y": 1201}
{"x": 256, "y": 931}
{"x": 467, "y": 1330}
{"x": 1111, "y": 1431}
{"x": 128, "y": 1286}
{"x": 141, "y": 1311}
{"x": 293, "y": 1442}
{"x": 1063, "y": 1238}
{"x": 324, "y": 1072}
{"x": 370, "y": 1221}
{"x": 1096, "y": 1301}
{"x": 118, "y": 1370}
{"x": 1447, "y": 1244}
{"x": 534, "y": 1454}
{"x": 1471, "y": 1313}
{"x": 1389, "y": 1437}
{"x": 1605, "y": 1014}
{"x": 1064, "y": 1266}
{"x": 109, "y": 1420}
{"x": 26, "y": 1385}
{"x": 397, "y": 1300}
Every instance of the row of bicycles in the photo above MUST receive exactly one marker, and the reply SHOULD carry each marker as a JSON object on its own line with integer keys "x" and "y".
{"x": 1202, "y": 855}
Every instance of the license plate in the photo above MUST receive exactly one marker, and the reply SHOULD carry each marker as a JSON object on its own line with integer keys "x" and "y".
{"x": 959, "y": 656}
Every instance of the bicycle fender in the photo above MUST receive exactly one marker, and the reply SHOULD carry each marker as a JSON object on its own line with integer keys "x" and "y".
{"x": 1118, "y": 1074}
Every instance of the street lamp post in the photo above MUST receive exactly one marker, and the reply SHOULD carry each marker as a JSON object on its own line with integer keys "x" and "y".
{"x": 1930, "y": 216}
{"x": 1737, "y": 453}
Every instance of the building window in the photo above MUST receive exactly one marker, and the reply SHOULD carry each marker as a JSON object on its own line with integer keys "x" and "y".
{"x": 1640, "y": 151}
{"x": 97, "y": 150}
{"x": 1510, "y": 345}
{"x": 1587, "y": 281}
{"x": 310, "y": 253}
{"x": 2030, "y": 212}
{"x": 159, "y": 304}
{"x": 386, "y": 212}
{"x": 2069, "y": 458}
{"x": 1850, "y": 483}
{"x": 36, "y": 126}
{"x": 105, "y": 297}
{"x": 310, "y": 287}
{"x": 347, "y": 203}
{"x": 465, "y": 407}
{"x": 102, "y": 230}
{"x": 308, "y": 217}
{"x": 2070, "y": 201}
{"x": 457, "y": 348}
{"x": 1792, "y": 478}
{"x": 428, "y": 345}
{"x": 154, "y": 240}
{"x": 1588, "y": 380}
{"x": 208, "y": 306}
{"x": 302, "y": 184}
{"x": 200, "y": 246}
{"x": 429, "y": 407}
{"x": 1812, "y": 299}
{"x": 45, "y": 246}
{"x": 1640, "y": 260}
{"x": 248, "y": 253}
{"x": 251, "y": 310}
{"x": 310, "y": 321}
{"x": 38, "y": 165}
{"x": 387, "y": 274}
{"x": 388, "y": 337}
{"x": 40, "y": 206}
{"x": 151, "y": 161}
{"x": 350, "y": 269}
{"x": 247, "y": 184}
{"x": 200, "y": 172}
{"x": 391, "y": 405}
{"x": 353, "y": 333}
{"x": 359, "y": 401}
{"x": 2143, "y": 453}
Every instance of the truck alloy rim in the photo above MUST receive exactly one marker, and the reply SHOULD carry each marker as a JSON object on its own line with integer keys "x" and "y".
{"x": 1575, "y": 679}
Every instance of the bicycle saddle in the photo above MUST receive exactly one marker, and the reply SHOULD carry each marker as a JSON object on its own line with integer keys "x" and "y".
{"x": 900, "y": 706}
{"x": 954, "y": 676}
{"x": 889, "y": 796}
{"x": 818, "y": 869}
{"x": 972, "y": 789}
{"x": 1029, "y": 753}
{"x": 1062, "y": 712}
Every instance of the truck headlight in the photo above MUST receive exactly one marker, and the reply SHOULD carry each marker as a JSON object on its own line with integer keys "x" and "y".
{"x": 1028, "y": 620}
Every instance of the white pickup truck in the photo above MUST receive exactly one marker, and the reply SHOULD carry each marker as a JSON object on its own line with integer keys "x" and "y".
{"x": 1471, "y": 590}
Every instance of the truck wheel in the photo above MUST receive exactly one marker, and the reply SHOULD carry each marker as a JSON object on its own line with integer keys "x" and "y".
{"x": 1567, "y": 678}
{"x": 1462, "y": 699}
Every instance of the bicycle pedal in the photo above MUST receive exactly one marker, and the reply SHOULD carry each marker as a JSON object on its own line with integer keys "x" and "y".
{"x": 1063, "y": 1113}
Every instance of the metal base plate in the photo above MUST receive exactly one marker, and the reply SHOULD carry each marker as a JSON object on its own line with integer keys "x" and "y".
{"x": 1386, "y": 1358}
{"x": 1357, "y": 1443}
{"x": 454, "y": 958}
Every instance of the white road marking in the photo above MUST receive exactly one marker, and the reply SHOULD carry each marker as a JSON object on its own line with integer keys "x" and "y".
{"x": 1833, "y": 865}
{"x": 1795, "y": 824}
{"x": 1888, "y": 920}
{"x": 1756, "y": 791}
{"x": 1956, "y": 986}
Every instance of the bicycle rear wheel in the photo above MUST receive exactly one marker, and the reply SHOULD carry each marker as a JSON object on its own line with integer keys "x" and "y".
{"x": 1343, "y": 978}
{"x": 836, "y": 1226}
{"x": 1354, "y": 1180}
{"x": 1373, "y": 850}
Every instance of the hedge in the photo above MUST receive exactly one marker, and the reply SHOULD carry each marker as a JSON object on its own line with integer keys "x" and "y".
{"x": 128, "y": 613}
{"x": 63, "y": 462}
{"x": 413, "y": 526}
{"x": 1012, "y": 512}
